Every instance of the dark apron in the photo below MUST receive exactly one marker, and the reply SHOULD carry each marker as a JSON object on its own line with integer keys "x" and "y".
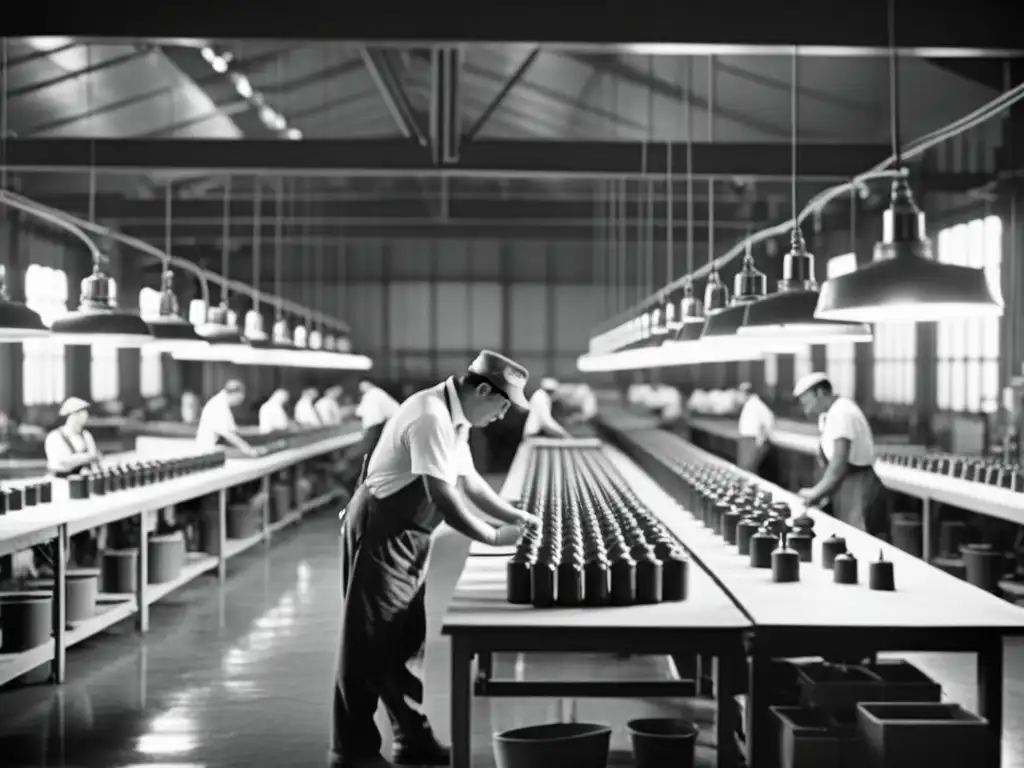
{"x": 385, "y": 546}
{"x": 860, "y": 499}
{"x": 47, "y": 553}
{"x": 763, "y": 462}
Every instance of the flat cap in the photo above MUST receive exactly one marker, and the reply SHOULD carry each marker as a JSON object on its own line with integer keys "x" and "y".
{"x": 809, "y": 382}
{"x": 505, "y": 374}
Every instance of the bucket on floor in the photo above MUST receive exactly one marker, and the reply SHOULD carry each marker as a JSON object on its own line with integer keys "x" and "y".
{"x": 555, "y": 745}
{"x": 985, "y": 566}
{"x": 280, "y": 501}
{"x": 166, "y": 557}
{"x": 81, "y": 588}
{"x": 244, "y": 520}
{"x": 119, "y": 571}
{"x": 662, "y": 741}
{"x": 26, "y": 620}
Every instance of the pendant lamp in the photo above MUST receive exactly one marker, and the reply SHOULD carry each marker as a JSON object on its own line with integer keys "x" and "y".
{"x": 255, "y": 335}
{"x": 904, "y": 283}
{"x": 98, "y": 320}
{"x": 17, "y": 321}
{"x": 789, "y": 314}
{"x": 749, "y": 286}
{"x": 219, "y": 328}
{"x": 171, "y": 331}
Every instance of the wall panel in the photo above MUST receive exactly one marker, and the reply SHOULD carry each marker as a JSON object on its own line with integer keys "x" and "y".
{"x": 527, "y": 261}
{"x": 453, "y": 316}
{"x": 529, "y": 317}
{"x": 486, "y": 315}
{"x": 409, "y": 319}
{"x": 410, "y": 259}
{"x": 577, "y": 310}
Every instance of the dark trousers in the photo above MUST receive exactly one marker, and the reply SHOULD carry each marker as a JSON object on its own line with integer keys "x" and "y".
{"x": 384, "y": 622}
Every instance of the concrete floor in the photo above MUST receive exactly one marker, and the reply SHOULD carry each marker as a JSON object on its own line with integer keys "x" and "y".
{"x": 242, "y": 676}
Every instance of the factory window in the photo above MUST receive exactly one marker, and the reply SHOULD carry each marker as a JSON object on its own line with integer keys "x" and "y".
{"x": 803, "y": 363}
{"x": 968, "y": 348}
{"x": 42, "y": 370}
{"x": 151, "y": 375}
{"x": 104, "y": 373}
{"x": 840, "y": 357}
{"x": 895, "y": 351}
{"x": 771, "y": 371}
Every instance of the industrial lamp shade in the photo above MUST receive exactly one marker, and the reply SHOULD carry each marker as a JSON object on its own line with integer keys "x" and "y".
{"x": 904, "y": 283}
{"x": 343, "y": 344}
{"x": 788, "y": 315}
{"x": 218, "y": 329}
{"x": 98, "y": 319}
{"x": 17, "y": 321}
{"x": 168, "y": 328}
{"x": 750, "y": 286}
{"x": 255, "y": 336}
{"x": 282, "y": 335}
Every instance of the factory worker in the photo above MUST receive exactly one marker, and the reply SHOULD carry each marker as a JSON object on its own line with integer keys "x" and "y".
{"x": 540, "y": 421}
{"x": 375, "y": 408}
{"x": 667, "y": 401}
{"x": 328, "y": 407}
{"x": 217, "y": 421}
{"x": 587, "y": 403}
{"x": 273, "y": 416}
{"x": 305, "y": 409}
{"x": 755, "y": 452}
{"x": 847, "y": 451}
{"x": 412, "y": 484}
{"x": 70, "y": 448}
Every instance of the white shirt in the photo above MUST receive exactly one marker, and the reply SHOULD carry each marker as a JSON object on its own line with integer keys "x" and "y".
{"x": 273, "y": 417}
{"x": 421, "y": 439}
{"x": 328, "y": 410}
{"x": 669, "y": 401}
{"x": 58, "y": 449}
{"x": 588, "y": 404}
{"x": 540, "y": 413}
{"x": 375, "y": 407}
{"x": 305, "y": 413}
{"x": 846, "y": 420}
{"x": 215, "y": 421}
{"x": 756, "y": 419}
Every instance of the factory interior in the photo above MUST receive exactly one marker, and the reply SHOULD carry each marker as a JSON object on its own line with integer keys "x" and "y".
{"x": 758, "y": 500}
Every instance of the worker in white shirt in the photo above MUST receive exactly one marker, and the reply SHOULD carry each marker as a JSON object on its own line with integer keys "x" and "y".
{"x": 273, "y": 413}
{"x": 847, "y": 451}
{"x": 217, "y": 424}
{"x": 540, "y": 421}
{"x": 375, "y": 408}
{"x": 411, "y": 485}
{"x": 305, "y": 409}
{"x": 587, "y": 404}
{"x": 328, "y": 407}
{"x": 755, "y": 452}
{"x": 667, "y": 401}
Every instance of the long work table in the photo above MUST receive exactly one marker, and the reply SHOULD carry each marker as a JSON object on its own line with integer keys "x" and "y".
{"x": 929, "y": 487}
{"x": 58, "y": 521}
{"x": 929, "y": 610}
{"x": 480, "y": 622}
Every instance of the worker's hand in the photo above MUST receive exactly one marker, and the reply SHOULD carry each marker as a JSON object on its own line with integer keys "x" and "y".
{"x": 809, "y": 496}
{"x": 507, "y": 535}
{"x": 527, "y": 520}
{"x": 253, "y": 452}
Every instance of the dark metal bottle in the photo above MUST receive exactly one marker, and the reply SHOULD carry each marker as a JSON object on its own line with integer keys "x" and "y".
{"x": 745, "y": 529}
{"x": 596, "y": 582}
{"x": 519, "y": 588}
{"x": 785, "y": 563}
{"x": 830, "y": 548}
{"x": 674, "y": 576}
{"x": 623, "y": 581}
{"x": 542, "y": 584}
{"x": 761, "y": 545}
{"x": 649, "y": 575}
{"x": 570, "y": 583}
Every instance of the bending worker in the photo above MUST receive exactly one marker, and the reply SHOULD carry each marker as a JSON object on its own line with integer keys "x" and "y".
{"x": 305, "y": 409}
{"x": 273, "y": 416}
{"x": 755, "y": 452}
{"x": 328, "y": 407}
{"x": 540, "y": 421}
{"x": 847, "y": 451}
{"x": 408, "y": 490}
{"x": 375, "y": 408}
{"x": 217, "y": 424}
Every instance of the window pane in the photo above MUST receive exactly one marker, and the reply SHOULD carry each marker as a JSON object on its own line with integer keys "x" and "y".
{"x": 959, "y": 385}
{"x": 990, "y": 386}
{"x": 973, "y": 384}
{"x": 104, "y": 374}
{"x": 771, "y": 370}
{"x": 43, "y": 367}
{"x": 942, "y": 393}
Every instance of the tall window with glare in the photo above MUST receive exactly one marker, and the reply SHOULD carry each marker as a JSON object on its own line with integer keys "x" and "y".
{"x": 43, "y": 365}
{"x": 895, "y": 354}
{"x": 803, "y": 363}
{"x": 151, "y": 379}
{"x": 967, "y": 349}
{"x": 840, "y": 357}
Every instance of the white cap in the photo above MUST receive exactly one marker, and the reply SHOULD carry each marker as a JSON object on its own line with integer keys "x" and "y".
{"x": 548, "y": 383}
{"x": 73, "y": 405}
{"x": 809, "y": 382}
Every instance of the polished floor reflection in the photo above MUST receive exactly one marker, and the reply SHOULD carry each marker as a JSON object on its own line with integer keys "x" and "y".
{"x": 241, "y": 676}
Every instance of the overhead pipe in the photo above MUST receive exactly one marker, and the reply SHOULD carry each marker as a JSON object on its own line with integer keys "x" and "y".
{"x": 78, "y": 226}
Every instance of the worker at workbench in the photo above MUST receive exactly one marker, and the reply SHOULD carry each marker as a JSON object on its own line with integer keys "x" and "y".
{"x": 410, "y": 486}
{"x": 217, "y": 421}
{"x": 540, "y": 421}
{"x": 755, "y": 453}
{"x": 328, "y": 407}
{"x": 305, "y": 409}
{"x": 273, "y": 414}
{"x": 847, "y": 452}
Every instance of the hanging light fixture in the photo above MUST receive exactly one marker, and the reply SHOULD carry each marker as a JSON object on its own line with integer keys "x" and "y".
{"x": 789, "y": 314}
{"x": 255, "y": 333}
{"x": 905, "y": 283}
{"x": 749, "y": 285}
{"x": 17, "y": 321}
{"x": 171, "y": 331}
{"x": 98, "y": 319}
{"x": 666, "y": 319}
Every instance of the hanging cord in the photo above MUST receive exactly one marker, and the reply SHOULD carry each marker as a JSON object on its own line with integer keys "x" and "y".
{"x": 794, "y": 123}
{"x": 894, "y": 88}
{"x": 278, "y": 236}
{"x": 225, "y": 244}
{"x": 3, "y": 113}
{"x": 711, "y": 180}
{"x": 640, "y": 220}
{"x": 688, "y": 119}
{"x": 649, "y": 224}
{"x": 257, "y": 227}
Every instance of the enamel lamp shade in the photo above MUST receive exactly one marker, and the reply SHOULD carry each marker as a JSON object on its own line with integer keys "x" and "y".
{"x": 904, "y": 283}
{"x": 98, "y": 320}
{"x": 750, "y": 286}
{"x": 171, "y": 331}
{"x": 788, "y": 315}
{"x": 17, "y": 322}
{"x": 219, "y": 327}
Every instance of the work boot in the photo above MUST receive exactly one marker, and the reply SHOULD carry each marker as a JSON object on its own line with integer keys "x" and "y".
{"x": 425, "y": 751}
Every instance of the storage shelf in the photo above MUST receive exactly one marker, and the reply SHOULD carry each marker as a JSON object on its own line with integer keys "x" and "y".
{"x": 234, "y": 547}
{"x": 196, "y": 564}
{"x": 110, "y": 609}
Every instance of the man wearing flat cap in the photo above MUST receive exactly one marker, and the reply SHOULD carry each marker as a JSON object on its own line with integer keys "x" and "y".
{"x": 410, "y": 484}
{"x": 846, "y": 450}
{"x": 541, "y": 421}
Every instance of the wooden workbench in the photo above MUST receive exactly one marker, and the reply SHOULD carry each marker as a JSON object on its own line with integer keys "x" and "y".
{"x": 481, "y": 622}
{"x": 64, "y": 518}
{"x": 929, "y": 611}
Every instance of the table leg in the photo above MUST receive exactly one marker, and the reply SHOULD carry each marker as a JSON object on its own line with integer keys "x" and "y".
{"x": 60, "y": 583}
{"x": 758, "y": 730}
{"x": 484, "y": 666}
{"x": 990, "y": 696}
{"x": 222, "y": 535}
{"x": 725, "y": 720}
{"x": 926, "y": 529}
{"x": 142, "y": 577}
{"x": 461, "y": 704}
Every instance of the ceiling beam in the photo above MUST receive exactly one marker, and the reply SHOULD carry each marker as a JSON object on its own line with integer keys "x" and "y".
{"x": 400, "y": 157}
{"x": 737, "y": 28}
